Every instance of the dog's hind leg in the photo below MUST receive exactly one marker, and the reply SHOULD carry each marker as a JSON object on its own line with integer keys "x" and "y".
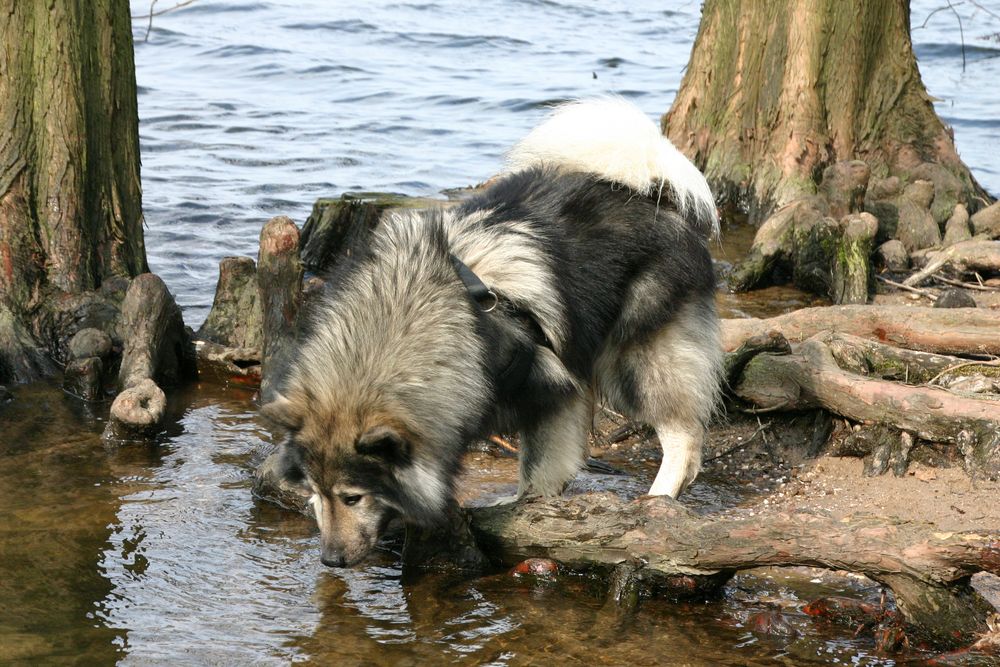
{"x": 670, "y": 381}
{"x": 553, "y": 450}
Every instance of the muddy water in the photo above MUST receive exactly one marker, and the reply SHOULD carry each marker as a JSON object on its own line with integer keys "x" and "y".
{"x": 160, "y": 555}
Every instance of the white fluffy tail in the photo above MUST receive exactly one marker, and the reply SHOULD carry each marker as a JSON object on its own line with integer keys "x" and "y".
{"x": 613, "y": 139}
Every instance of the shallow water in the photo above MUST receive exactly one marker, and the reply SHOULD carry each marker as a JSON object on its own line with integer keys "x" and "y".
{"x": 254, "y": 109}
{"x": 159, "y": 554}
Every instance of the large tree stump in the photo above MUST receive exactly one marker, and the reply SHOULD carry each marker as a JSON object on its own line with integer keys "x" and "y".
{"x": 927, "y": 570}
{"x": 774, "y": 92}
{"x": 340, "y": 227}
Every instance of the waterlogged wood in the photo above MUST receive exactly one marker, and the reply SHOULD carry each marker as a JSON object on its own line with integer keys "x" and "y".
{"x": 811, "y": 378}
{"x": 927, "y": 570}
{"x": 136, "y": 413}
{"x": 279, "y": 280}
{"x": 960, "y": 331}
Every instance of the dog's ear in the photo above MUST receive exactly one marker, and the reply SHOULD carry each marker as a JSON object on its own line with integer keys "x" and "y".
{"x": 384, "y": 442}
{"x": 283, "y": 413}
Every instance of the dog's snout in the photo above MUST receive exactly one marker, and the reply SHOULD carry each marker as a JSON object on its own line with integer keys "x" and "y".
{"x": 333, "y": 559}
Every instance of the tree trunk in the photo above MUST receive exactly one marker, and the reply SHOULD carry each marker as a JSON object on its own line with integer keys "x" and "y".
{"x": 776, "y": 91}
{"x": 70, "y": 196}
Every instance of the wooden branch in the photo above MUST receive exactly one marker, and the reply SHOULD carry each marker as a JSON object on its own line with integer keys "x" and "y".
{"x": 811, "y": 378}
{"x": 928, "y": 570}
{"x": 977, "y": 254}
{"x": 869, "y": 357}
{"x": 942, "y": 330}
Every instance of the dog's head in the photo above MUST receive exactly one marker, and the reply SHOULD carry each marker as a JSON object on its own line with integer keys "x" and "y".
{"x": 362, "y": 471}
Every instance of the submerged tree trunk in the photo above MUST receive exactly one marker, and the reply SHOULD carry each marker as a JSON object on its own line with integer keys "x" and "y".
{"x": 70, "y": 196}
{"x": 776, "y": 91}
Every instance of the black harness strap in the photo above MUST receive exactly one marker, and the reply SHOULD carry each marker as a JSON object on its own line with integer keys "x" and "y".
{"x": 477, "y": 289}
{"x": 522, "y": 357}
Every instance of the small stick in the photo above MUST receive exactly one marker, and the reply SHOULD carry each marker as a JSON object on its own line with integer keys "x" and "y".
{"x": 915, "y": 290}
{"x": 959, "y": 283}
{"x": 496, "y": 439}
{"x": 963, "y": 365}
{"x": 760, "y": 431}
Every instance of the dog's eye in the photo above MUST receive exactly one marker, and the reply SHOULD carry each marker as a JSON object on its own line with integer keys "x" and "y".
{"x": 350, "y": 500}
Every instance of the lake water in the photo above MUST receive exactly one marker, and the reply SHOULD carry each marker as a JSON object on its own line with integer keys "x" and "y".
{"x": 159, "y": 554}
{"x": 255, "y": 109}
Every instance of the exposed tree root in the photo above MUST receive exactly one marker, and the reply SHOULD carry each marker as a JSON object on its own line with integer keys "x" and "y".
{"x": 667, "y": 545}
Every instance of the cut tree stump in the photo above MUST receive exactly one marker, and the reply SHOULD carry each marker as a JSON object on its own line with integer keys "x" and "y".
{"x": 962, "y": 331}
{"x": 235, "y": 319}
{"x": 927, "y": 570}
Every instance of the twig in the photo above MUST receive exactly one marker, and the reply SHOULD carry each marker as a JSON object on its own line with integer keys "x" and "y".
{"x": 959, "y": 283}
{"x": 760, "y": 431}
{"x": 762, "y": 411}
{"x": 961, "y": 31}
{"x": 496, "y": 439}
{"x": 625, "y": 432}
{"x": 151, "y": 14}
{"x": 962, "y": 365}
{"x": 915, "y": 290}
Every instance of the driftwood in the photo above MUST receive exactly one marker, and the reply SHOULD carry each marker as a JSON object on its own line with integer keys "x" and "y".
{"x": 869, "y": 357}
{"x": 962, "y": 331}
{"x": 975, "y": 254}
{"x": 810, "y": 378}
{"x": 666, "y": 545}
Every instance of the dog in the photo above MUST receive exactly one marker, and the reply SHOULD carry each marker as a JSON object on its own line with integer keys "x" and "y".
{"x": 581, "y": 274}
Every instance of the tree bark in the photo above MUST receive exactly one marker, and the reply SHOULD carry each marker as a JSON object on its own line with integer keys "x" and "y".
{"x": 811, "y": 378}
{"x": 959, "y": 331}
{"x": 776, "y": 91}
{"x": 70, "y": 195}
{"x": 927, "y": 570}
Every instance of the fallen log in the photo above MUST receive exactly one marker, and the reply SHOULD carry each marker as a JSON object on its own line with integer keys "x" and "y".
{"x": 927, "y": 570}
{"x": 962, "y": 331}
{"x": 810, "y": 378}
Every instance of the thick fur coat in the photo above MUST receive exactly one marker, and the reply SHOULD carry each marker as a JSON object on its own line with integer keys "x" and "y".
{"x": 594, "y": 248}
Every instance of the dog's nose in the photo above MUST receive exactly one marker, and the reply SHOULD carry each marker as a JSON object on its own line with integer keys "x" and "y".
{"x": 332, "y": 559}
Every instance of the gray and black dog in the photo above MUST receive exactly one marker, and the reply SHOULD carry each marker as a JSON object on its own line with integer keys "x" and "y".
{"x": 582, "y": 274}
